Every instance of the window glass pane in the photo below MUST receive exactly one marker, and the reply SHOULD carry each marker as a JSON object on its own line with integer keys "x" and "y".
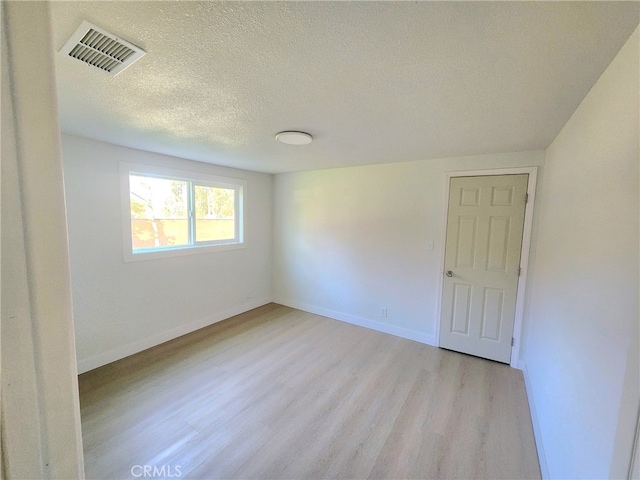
{"x": 215, "y": 213}
{"x": 158, "y": 212}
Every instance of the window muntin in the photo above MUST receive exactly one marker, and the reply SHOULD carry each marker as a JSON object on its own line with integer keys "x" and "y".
{"x": 168, "y": 212}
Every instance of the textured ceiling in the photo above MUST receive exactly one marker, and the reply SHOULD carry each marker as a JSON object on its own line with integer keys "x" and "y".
{"x": 373, "y": 82}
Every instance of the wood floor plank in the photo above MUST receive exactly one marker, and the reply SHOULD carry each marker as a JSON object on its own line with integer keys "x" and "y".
{"x": 277, "y": 393}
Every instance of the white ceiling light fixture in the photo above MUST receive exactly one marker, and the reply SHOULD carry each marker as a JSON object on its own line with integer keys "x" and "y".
{"x": 294, "y": 138}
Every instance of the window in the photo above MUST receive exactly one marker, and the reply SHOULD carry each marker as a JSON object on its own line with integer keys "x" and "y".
{"x": 168, "y": 212}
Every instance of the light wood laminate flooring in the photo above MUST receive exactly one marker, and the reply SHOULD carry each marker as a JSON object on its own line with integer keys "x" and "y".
{"x": 282, "y": 394}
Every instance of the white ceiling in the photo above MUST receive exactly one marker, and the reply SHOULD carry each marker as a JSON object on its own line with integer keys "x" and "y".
{"x": 373, "y": 82}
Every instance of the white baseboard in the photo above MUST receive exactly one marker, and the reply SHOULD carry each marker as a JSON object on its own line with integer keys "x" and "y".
{"x": 537, "y": 433}
{"x": 362, "y": 322}
{"x": 90, "y": 363}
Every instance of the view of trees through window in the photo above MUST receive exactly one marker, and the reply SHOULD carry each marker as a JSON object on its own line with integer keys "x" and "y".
{"x": 214, "y": 213}
{"x": 160, "y": 212}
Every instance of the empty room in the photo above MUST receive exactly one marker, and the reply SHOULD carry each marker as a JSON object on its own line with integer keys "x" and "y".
{"x": 304, "y": 240}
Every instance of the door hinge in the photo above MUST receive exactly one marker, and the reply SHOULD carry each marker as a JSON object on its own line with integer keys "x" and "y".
{"x": 512, "y": 341}
{"x": 519, "y": 271}
{"x": 526, "y": 198}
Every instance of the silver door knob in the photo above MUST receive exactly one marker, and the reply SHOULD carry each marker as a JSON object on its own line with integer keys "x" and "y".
{"x": 449, "y": 273}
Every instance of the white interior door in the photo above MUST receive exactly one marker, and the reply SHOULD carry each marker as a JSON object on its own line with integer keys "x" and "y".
{"x": 482, "y": 262}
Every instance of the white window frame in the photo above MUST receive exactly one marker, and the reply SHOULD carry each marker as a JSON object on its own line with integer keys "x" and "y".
{"x": 197, "y": 178}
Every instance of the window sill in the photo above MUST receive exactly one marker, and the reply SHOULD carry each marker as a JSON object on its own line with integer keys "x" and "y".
{"x": 153, "y": 254}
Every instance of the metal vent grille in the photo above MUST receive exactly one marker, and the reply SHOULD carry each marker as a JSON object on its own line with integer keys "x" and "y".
{"x": 98, "y": 48}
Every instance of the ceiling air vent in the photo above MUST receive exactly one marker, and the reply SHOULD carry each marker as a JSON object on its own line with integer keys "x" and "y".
{"x": 101, "y": 49}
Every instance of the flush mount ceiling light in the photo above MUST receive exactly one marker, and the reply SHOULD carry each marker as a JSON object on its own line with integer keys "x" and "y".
{"x": 294, "y": 138}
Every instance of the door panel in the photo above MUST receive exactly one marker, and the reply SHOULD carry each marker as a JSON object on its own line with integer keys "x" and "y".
{"x": 465, "y": 248}
{"x": 482, "y": 252}
{"x": 493, "y": 305}
{"x": 498, "y": 243}
{"x": 461, "y": 308}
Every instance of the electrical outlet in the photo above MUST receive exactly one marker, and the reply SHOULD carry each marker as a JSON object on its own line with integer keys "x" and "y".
{"x": 383, "y": 312}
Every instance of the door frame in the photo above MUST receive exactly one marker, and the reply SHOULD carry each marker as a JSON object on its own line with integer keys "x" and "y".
{"x": 524, "y": 254}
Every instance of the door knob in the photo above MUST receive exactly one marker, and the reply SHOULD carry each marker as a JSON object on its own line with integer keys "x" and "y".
{"x": 449, "y": 273}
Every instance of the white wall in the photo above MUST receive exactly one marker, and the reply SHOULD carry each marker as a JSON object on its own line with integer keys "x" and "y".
{"x": 121, "y": 308}
{"x": 39, "y": 410}
{"x": 584, "y": 296}
{"x": 351, "y": 241}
